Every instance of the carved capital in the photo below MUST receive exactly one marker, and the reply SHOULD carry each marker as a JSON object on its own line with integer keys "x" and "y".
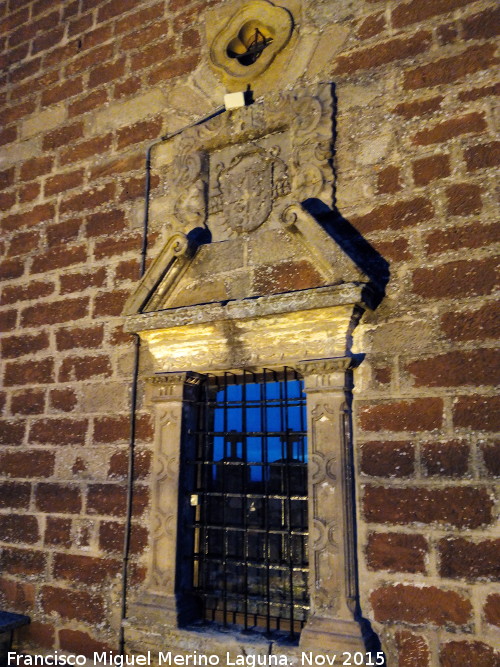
{"x": 322, "y": 375}
{"x": 174, "y": 386}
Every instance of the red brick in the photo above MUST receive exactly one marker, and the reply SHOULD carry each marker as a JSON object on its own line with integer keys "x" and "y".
{"x": 420, "y": 414}
{"x": 21, "y": 561}
{"x": 389, "y": 180}
{"x": 454, "y": 279}
{"x": 64, "y": 400}
{"x": 14, "y": 19}
{"x": 77, "y": 605}
{"x": 118, "y": 165}
{"x": 492, "y": 609}
{"x": 445, "y": 459}
{"x": 39, "y": 634}
{"x": 132, "y": 134}
{"x": 448, "y": 70}
{"x": 115, "y": 8}
{"x": 477, "y": 654}
{"x": 7, "y": 177}
{"x": 37, "y": 166}
{"x": 110, "y": 499}
{"x": 127, "y": 87}
{"x": 58, "y": 431}
{"x": 70, "y": 9}
{"x": 418, "y": 604}
{"x": 11, "y": 268}
{"x": 482, "y": 156}
{"x": 491, "y": 458}
{"x": 90, "y": 58}
{"x": 475, "y": 367}
{"x": 413, "y": 650}
{"x": 28, "y": 402}
{"x": 146, "y": 35}
{"x": 30, "y": 218}
{"x": 97, "y": 98}
{"x": 383, "y": 53}
{"x": 460, "y": 506}
{"x": 88, "y": 199}
{"x": 7, "y": 201}
{"x": 77, "y": 282}
{"x": 118, "y": 464}
{"x": 84, "y": 368}
{"x": 80, "y": 25}
{"x": 172, "y": 68}
{"x": 106, "y": 499}
{"x": 461, "y": 558}
{"x": 12, "y": 432}
{"x": 17, "y": 596}
{"x": 404, "y": 213}
{"x": 8, "y": 320}
{"x": 15, "y": 495}
{"x": 23, "y": 243}
{"x": 29, "y": 372}
{"x": 56, "y": 312}
{"x": 58, "y": 498}
{"x": 59, "y": 257}
{"x": 387, "y": 459}
{"x": 477, "y": 412}
{"x": 483, "y": 25}
{"x": 478, "y": 324}
{"x": 464, "y": 199}
{"x": 63, "y": 182}
{"x": 447, "y": 34}
{"x": 107, "y": 72}
{"x": 156, "y": 53}
{"x": 81, "y": 643}
{"x": 431, "y": 168}
{"x": 111, "y": 537}
{"x": 110, "y": 247}
{"x": 58, "y": 532}
{"x": 13, "y": 113}
{"x": 63, "y": 232}
{"x": 13, "y": 56}
{"x": 105, "y": 222}
{"x": 110, "y": 303}
{"x": 86, "y": 149}
{"x": 127, "y": 270}
{"x": 85, "y": 569}
{"x": 62, "y": 91}
{"x": 191, "y": 39}
{"x": 458, "y": 238}
{"x": 42, "y": 6}
{"x": 29, "y": 192}
{"x": 448, "y": 129}
{"x": 89, "y": 337}
{"x": 19, "y": 345}
{"x": 16, "y": 528}
{"x": 8, "y": 135}
{"x": 28, "y": 464}
{"x": 119, "y": 337}
{"x": 478, "y": 93}
{"x": 139, "y": 18}
{"x": 111, "y": 429}
{"x": 47, "y": 40}
{"x": 396, "y": 552}
{"x": 412, "y": 12}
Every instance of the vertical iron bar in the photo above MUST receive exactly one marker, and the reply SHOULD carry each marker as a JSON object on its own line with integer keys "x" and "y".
{"x": 224, "y": 525}
{"x": 245, "y": 468}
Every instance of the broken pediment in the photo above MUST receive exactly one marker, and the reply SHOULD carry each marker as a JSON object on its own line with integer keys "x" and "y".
{"x": 239, "y": 230}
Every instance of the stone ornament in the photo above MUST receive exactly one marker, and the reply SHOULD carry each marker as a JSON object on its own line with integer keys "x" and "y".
{"x": 249, "y": 41}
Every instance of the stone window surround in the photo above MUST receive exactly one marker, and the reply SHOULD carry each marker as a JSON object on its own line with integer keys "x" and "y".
{"x": 327, "y": 381}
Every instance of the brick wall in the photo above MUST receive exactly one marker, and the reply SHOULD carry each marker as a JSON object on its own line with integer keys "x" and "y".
{"x": 86, "y": 86}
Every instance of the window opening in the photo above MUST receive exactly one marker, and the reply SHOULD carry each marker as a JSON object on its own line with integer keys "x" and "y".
{"x": 249, "y": 520}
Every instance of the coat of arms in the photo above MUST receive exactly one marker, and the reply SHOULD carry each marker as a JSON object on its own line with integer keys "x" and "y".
{"x": 245, "y": 190}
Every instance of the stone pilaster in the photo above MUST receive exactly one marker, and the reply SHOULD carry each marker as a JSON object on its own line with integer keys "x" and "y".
{"x": 332, "y": 585}
{"x": 173, "y": 400}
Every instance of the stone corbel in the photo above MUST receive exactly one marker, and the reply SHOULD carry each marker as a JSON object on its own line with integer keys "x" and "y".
{"x": 333, "y": 588}
{"x": 173, "y": 398}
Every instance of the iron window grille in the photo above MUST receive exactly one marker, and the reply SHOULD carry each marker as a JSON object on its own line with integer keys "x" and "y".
{"x": 249, "y": 516}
